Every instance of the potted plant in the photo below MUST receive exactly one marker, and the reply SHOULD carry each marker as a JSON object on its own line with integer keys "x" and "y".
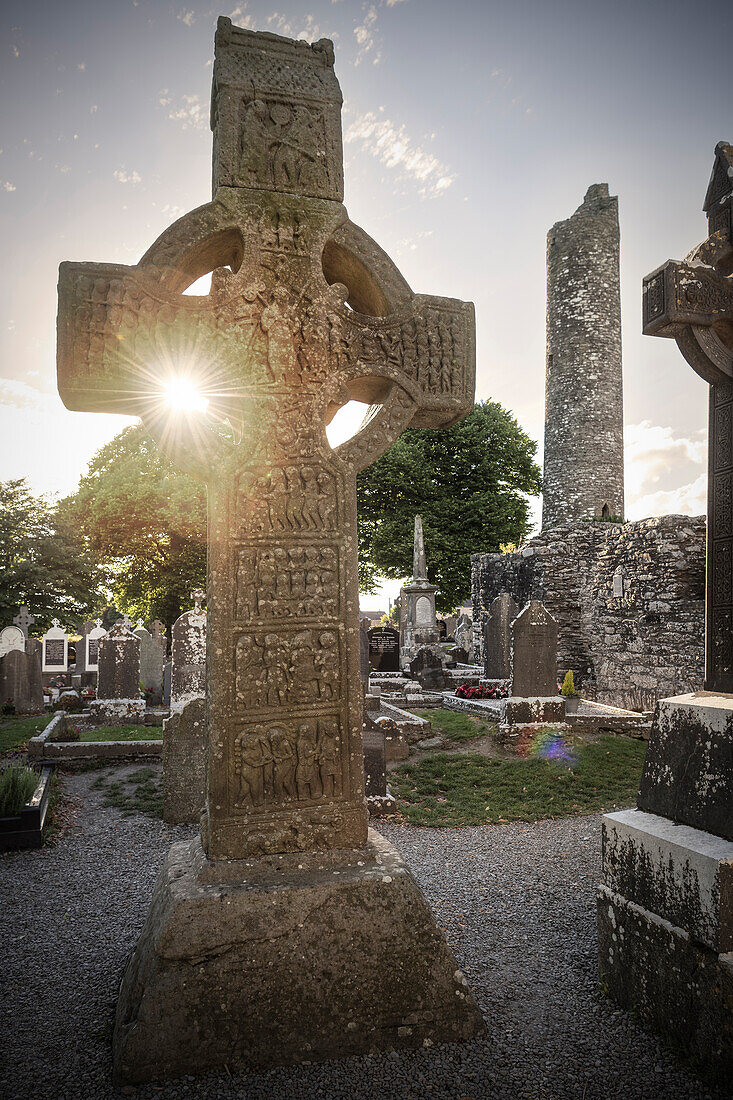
{"x": 571, "y": 696}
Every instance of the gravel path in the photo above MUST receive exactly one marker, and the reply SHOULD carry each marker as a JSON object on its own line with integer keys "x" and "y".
{"x": 515, "y": 901}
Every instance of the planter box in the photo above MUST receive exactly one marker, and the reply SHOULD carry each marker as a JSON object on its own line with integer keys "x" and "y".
{"x": 25, "y": 830}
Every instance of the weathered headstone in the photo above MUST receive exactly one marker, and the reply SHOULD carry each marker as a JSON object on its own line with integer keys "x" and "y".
{"x": 11, "y": 638}
{"x": 497, "y": 637}
{"x": 80, "y": 659}
{"x": 188, "y": 655}
{"x": 93, "y": 640}
{"x": 664, "y": 909}
{"x": 152, "y": 659}
{"x": 20, "y": 678}
{"x": 285, "y": 771}
{"x": 118, "y": 679}
{"x": 384, "y": 649}
{"x": 55, "y": 649}
{"x": 427, "y": 668}
{"x": 185, "y": 751}
{"x": 167, "y": 670}
{"x": 24, "y": 620}
{"x": 534, "y": 652}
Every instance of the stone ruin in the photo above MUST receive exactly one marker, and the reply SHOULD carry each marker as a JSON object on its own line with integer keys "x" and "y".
{"x": 665, "y": 906}
{"x": 285, "y": 792}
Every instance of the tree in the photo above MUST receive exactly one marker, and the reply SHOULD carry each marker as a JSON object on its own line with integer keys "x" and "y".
{"x": 145, "y": 520}
{"x": 42, "y": 562}
{"x": 468, "y": 484}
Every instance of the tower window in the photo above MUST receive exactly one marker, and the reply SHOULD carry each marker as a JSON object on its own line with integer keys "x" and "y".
{"x": 605, "y": 512}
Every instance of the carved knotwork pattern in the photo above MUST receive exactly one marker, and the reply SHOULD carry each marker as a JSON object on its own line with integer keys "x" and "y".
{"x": 654, "y": 297}
{"x": 723, "y": 505}
{"x": 722, "y": 641}
{"x": 723, "y": 574}
{"x": 723, "y": 438}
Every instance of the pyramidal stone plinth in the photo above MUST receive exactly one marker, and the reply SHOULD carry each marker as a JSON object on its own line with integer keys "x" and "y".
{"x": 287, "y": 932}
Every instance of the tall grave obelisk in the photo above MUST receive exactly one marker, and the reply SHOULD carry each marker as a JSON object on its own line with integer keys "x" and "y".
{"x": 285, "y": 932}
{"x": 665, "y": 908}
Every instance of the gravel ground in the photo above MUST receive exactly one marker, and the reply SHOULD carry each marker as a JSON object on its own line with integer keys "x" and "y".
{"x": 517, "y": 905}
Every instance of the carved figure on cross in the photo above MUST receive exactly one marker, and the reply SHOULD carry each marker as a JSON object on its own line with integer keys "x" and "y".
{"x": 305, "y": 313}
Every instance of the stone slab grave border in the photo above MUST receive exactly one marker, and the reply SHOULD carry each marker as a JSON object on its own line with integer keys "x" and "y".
{"x": 25, "y": 830}
{"x": 52, "y": 746}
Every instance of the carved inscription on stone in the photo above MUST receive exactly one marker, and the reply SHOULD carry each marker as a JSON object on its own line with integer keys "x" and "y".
{"x": 287, "y": 668}
{"x": 280, "y": 582}
{"x": 285, "y": 761}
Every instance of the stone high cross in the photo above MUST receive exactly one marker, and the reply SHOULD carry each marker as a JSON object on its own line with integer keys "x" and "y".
{"x": 305, "y": 312}
{"x": 692, "y": 302}
{"x": 24, "y": 620}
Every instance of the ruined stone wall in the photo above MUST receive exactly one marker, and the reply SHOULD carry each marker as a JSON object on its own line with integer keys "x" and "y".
{"x": 628, "y": 598}
{"x": 584, "y": 459}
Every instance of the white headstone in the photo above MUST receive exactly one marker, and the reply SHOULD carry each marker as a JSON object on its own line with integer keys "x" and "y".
{"x": 12, "y": 637}
{"x": 55, "y": 649}
{"x": 92, "y": 644}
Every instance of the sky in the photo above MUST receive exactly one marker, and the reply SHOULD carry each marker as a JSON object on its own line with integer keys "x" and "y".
{"x": 469, "y": 129}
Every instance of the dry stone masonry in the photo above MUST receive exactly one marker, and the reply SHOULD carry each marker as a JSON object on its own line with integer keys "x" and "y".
{"x": 628, "y": 599}
{"x": 583, "y": 472}
{"x": 236, "y": 964}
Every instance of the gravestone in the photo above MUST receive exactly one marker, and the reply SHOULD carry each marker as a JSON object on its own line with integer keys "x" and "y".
{"x": 80, "y": 661}
{"x": 427, "y": 669}
{"x": 24, "y": 620}
{"x": 285, "y": 793}
{"x": 534, "y": 652}
{"x": 497, "y": 637}
{"x": 167, "y": 669}
{"x": 418, "y": 622}
{"x": 20, "y": 678}
{"x": 384, "y": 649}
{"x": 188, "y": 655}
{"x": 118, "y": 679}
{"x": 464, "y": 635}
{"x": 185, "y": 748}
{"x": 152, "y": 659}
{"x": 442, "y": 630}
{"x": 11, "y": 638}
{"x": 378, "y": 795}
{"x": 93, "y": 640}
{"x": 55, "y": 649}
{"x": 664, "y": 908}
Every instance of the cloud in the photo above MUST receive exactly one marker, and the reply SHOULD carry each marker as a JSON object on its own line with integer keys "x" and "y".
{"x": 665, "y": 472}
{"x": 8, "y": 186}
{"x": 365, "y": 33}
{"x": 191, "y": 113}
{"x": 187, "y": 17}
{"x": 310, "y": 30}
{"x": 123, "y": 176}
{"x": 391, "y": 145}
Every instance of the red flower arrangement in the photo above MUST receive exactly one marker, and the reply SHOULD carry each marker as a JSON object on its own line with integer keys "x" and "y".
{"x": 466, "y": 691}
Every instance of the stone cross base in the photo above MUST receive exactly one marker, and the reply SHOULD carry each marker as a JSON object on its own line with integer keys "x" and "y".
{"x": 112, "y": 712}
{"x": 285, "y": 959}
{"x": 665, "y": 930}
{"x": 534, "y": 711}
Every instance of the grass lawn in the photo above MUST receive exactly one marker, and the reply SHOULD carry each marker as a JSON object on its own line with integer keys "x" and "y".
{"x": 446, "y": 789}
{"x": 14, "y": 732}
{"x": 122, "y": 733}
{"x": 139, "y": 792}
{"x": 457, "y": 726}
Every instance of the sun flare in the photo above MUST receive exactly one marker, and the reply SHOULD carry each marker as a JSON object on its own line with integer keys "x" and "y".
{"x": 182, "y": 395}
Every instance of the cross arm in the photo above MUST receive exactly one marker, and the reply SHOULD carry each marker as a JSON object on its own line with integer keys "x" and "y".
{"x": 685, "y": 294}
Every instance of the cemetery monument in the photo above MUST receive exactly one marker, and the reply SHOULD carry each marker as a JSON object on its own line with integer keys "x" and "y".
{"x": 665, "y": 907}
{"x": 287, "y": 932}
{"x": 418, "y": 622}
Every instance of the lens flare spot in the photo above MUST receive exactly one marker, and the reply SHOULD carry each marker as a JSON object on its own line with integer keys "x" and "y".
{"x": 182, "y": 395}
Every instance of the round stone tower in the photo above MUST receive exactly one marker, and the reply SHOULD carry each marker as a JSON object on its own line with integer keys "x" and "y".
{"x": 584, "y": 435}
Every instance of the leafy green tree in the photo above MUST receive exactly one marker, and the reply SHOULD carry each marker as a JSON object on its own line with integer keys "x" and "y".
{"x": 469, "y": 483}
{"x": 145, "y": 521}
{"x": 43, "y": 562}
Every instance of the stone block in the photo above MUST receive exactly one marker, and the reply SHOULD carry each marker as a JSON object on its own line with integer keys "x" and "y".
{"x": 526, "y": 712}
{"x": 682, "y": 874}
{"x": 116, "y": 712}
{"x": 688, "y": 771}
{"x": 269, "y": 962}
{"x": 185, "y": 754}
{"x": 673, "y": 983}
